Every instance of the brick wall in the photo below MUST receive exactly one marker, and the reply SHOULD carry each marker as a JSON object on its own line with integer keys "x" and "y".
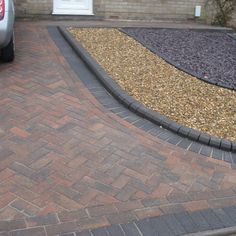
{"x": 121, "y": 9}
{"x": 233, "y": 21}
{"x": 148, "y": 9}
{"x": 124, "y": 9}
{"x": 33, "y": 7}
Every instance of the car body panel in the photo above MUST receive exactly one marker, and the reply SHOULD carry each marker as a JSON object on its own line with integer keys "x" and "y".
{"x": 7, "y": 24}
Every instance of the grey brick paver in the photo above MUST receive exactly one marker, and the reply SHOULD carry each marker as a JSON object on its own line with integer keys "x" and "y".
{"x": 145, "y": 227}
{"x": 187, "y": 223}
{"x": 115, "y": 230}
{"x": 212, "y": 219}
{"x": 224, "y": 218}
{"x": 100, "y": 232}
{"x": 200, "y": 221}
{"x": 131, "y": 230}
{"x": 65, "y": 154}
{"x": 173, "y": 224}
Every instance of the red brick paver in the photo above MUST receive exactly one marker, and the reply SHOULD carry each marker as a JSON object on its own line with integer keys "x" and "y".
{"x": 67, "y": 165}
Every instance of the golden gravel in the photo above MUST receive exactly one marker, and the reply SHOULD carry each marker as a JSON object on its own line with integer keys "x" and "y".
{"x": 160, "y": 86}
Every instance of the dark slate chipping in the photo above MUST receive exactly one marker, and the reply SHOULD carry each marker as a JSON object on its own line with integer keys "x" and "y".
{"x": 208, "y": 55}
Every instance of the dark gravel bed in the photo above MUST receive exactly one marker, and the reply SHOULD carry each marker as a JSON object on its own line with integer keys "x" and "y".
{"x": 208, "y": 55}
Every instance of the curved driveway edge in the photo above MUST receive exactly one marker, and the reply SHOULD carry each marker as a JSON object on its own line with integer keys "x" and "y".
{"x": 139, "y": 108}
{"x": 69, "y": 164}
{"x": 179, "y": 66}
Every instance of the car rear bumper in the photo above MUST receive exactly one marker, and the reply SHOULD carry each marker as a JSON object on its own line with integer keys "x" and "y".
{"x": 6, "y": 29}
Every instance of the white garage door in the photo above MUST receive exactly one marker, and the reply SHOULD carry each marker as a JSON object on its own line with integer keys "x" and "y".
{"x": 73, "y": 7}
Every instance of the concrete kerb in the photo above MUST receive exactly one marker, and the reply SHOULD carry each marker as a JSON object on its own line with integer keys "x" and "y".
{"x": 219, "y": 232}
{"x": 135, "y": 106}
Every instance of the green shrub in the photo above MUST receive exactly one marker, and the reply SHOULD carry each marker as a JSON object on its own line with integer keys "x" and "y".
{"x": 222, "y": 11}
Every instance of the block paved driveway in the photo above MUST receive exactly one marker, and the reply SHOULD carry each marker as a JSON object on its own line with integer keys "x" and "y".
{"x": 67, "y": 164}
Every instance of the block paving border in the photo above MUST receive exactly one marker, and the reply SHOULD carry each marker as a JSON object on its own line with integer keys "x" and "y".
{"x": 25, "y": 172}
{"x": 154, "y": 117}
{"x": 167, "y": 220}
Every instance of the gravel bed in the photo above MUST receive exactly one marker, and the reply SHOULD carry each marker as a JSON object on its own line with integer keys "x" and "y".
{"x": 159, "y": 85}
{"x": 205, "y": 54}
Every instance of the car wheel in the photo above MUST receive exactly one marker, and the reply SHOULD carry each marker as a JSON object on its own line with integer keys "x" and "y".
{"x": 8, "y": 53}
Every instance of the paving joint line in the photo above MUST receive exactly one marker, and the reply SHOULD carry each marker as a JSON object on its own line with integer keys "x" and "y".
{"x": 143, "y": 112}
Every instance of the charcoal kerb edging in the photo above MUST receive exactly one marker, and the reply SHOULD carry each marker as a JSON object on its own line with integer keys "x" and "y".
{"x": 179, "y": 67}
{"x": 135, "y": 106}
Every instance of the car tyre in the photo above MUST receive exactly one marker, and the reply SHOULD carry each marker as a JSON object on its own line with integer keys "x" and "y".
{"x": 8, "y": 53}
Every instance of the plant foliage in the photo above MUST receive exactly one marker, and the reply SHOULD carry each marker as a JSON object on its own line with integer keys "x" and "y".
{"x": 223, "y": 10}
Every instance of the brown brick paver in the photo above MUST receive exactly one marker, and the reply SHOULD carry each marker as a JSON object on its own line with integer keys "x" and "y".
{"x": 67, "y": 164}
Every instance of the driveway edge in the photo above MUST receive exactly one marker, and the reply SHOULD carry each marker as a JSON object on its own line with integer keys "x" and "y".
{"x": 219, "y": 232}
{"x": 135, "y": 106}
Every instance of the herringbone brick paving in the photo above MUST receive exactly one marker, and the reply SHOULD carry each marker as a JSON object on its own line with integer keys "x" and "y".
{"x": 67, "y": 164}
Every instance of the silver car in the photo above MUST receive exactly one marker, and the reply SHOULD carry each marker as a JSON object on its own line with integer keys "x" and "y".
{"x": 7, "y": 18}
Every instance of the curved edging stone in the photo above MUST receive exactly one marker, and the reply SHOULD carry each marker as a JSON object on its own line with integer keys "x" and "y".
{"x": 179, "y": 67}
{"x": 218, "y": 232}
{"x": 135, "y": 106}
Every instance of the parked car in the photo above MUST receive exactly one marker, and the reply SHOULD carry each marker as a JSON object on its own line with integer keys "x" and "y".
{"x": 7, "y": 19}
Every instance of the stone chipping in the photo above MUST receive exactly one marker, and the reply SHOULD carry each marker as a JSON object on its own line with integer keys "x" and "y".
{"x": 208, "y": 55}
{"x": 159, "y": 85}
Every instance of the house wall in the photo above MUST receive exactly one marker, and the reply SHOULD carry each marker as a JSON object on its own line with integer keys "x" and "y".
{"x": 233, "y": 21}
{"x": 126, "y": 9}
{"x": 121, "y": 9}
